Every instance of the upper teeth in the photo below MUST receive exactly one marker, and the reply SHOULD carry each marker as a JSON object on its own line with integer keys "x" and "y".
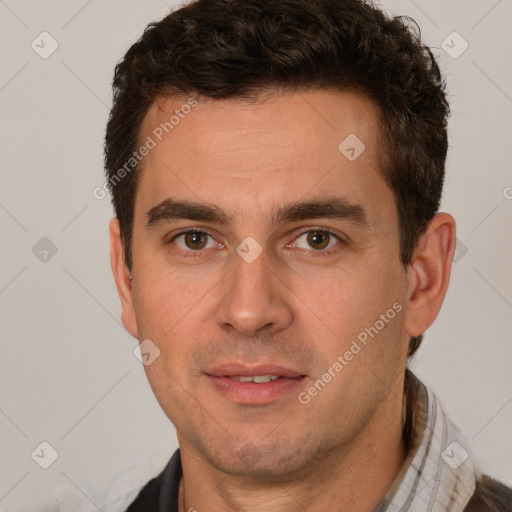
{"x": 256, "y": 378}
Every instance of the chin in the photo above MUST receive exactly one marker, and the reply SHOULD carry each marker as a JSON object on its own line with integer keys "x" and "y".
{"x": 264, "y": 460}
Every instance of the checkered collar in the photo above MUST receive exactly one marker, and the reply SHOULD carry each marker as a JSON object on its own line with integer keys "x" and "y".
{"x": 438, "y": 474}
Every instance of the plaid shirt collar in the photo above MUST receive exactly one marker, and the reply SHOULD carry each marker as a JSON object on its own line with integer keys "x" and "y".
{"x": 438, "y": 474}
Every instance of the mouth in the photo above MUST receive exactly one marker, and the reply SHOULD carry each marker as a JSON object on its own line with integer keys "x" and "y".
{"x": 256, "y": 385}
{"x": 258, "y": 379}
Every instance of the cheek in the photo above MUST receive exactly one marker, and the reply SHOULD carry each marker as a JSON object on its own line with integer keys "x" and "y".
{"x": 351, "y": 298}
{"x": 164, "y": 299}
{"x": 366, "y": 351}
{"x": 160, "y": 314}
{"x": 169, "y": 320}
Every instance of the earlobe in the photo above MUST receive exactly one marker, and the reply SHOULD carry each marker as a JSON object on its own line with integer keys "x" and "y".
{"x": 429, "y": 273}
{"x": 122, "y": 277}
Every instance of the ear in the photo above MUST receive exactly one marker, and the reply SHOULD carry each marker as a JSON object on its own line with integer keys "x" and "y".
{"x": 122, "y": 277}
{"x": 429, "y": 273}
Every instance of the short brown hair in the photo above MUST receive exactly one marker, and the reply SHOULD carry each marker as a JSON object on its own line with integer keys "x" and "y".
{"x": 237, "y": 49}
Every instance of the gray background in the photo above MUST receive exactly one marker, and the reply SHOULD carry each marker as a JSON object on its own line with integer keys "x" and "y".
{"x": 68, "y": 373}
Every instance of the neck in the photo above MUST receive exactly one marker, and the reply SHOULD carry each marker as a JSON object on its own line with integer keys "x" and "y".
{"x": 355, "y": 477}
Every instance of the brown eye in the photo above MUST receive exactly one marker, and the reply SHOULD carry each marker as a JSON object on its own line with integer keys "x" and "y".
{"x": 194, "y": 241}
{"x": 318, "y": 239}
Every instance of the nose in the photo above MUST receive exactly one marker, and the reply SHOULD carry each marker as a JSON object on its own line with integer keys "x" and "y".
{"x": 254, "y": 298}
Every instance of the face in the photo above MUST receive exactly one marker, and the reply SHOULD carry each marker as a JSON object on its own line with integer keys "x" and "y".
{"x": 266, "y": 270}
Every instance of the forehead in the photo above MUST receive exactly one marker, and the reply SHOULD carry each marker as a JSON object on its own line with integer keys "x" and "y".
{"x": 308, "y": 116}
{"x": 256, "y": 155}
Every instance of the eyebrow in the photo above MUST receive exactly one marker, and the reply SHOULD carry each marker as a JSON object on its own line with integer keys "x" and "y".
{"x": 338, "y": 207}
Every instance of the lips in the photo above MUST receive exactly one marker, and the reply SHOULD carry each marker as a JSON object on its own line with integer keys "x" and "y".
{"x": 238, "y": 370}
{"x": 254, "y": 385}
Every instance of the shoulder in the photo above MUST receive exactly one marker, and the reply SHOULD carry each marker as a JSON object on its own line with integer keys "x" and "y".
{"x": 160, "y": 493}
{"x": 148, "y": 498}
{"x": 490, "y": 496}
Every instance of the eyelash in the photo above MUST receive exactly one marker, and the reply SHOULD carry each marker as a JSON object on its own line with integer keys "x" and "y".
{"x": 317, "y": 253}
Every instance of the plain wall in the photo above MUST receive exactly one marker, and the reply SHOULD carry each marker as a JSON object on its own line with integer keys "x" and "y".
{"x": 68, "y": 373}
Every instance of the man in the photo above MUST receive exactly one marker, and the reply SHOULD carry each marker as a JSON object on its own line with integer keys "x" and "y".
{"x": 276, "y": 170}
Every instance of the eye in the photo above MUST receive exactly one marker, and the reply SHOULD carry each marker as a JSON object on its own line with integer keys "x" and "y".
{"x": 316, "y": 239}
{"x": 194, "y": 241}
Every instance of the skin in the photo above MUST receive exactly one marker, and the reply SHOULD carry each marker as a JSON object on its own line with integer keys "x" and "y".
{"x": 296, "y": 305}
